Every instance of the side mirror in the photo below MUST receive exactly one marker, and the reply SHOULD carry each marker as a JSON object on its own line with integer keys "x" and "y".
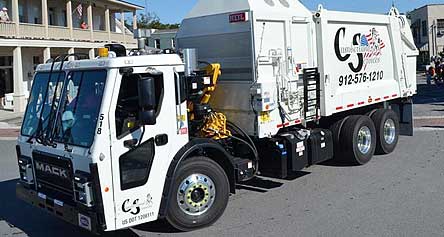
{"x": 147, "y": 101}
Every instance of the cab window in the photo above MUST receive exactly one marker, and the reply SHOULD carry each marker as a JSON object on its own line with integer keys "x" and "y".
{"x": 127, "y": 109}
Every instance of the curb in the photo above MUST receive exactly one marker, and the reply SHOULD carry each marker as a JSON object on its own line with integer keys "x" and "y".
{"x": 8, "y": 138}
{"x": 428, "y": 117}
{"x": 425, "y": 129}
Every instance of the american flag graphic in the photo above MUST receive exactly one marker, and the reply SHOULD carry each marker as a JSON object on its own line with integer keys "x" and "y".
{"x": 372, "y": 39}
{"x": 79, "y": 10}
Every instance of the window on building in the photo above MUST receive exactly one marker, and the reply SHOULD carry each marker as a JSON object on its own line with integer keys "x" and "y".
{"x": 6, "y": 61}
{"x": 6, "y": 75}
{"x": 36, "y": 60}
{"x": 51, "y": 16}
{"x": 157, "y": 43}
{"x": 425, "y": 28}
{"x": 64, "y": 21}
{"x": 22, "y": 16}
{"x": 440, "y": 24}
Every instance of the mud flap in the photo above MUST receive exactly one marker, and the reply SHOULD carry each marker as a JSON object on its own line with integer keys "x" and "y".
{"x": 404, "y": 109}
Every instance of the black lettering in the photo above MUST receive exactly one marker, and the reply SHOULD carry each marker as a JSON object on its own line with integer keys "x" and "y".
{"x": 357, "y": 41}
{"x": 337, "y": 48}
{"x": 133, "y": 209}
{"x": 343, "y": 58}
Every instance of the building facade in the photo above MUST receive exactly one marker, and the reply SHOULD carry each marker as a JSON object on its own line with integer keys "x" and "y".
{"x": 33, "y": 31}
{"x": 427, "y": 24}
{"x": 163, "y": 39}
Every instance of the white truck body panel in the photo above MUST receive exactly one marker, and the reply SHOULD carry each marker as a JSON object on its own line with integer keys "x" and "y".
{"x": 363, "y": 60}
{"x": 263, "y": 55}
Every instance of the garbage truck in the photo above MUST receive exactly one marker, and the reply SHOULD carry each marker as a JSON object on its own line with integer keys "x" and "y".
{"x": 263, "y": 87}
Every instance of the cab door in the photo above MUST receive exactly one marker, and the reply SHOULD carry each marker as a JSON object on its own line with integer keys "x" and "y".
{"x": 138, "y": 152}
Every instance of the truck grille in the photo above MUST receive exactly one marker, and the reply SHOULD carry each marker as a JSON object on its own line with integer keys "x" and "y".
{"x": 53, "y": 173}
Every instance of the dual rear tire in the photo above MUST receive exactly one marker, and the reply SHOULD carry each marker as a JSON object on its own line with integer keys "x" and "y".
{"x": 357, "y": 138}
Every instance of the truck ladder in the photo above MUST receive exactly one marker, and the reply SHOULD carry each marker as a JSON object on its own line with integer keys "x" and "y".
{"x": 312, "y": 94}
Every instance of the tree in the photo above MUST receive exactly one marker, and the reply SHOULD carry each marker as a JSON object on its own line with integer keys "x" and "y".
{"x": 152, "y": 21}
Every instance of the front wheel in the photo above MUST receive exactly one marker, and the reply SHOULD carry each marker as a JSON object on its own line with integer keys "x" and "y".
{"x": 199, "y": 196}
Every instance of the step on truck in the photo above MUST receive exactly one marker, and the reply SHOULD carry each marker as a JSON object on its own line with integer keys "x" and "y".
{"x": 263, "y": 87}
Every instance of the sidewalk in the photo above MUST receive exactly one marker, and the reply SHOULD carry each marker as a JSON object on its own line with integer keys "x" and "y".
{"x": 10, "y": 123}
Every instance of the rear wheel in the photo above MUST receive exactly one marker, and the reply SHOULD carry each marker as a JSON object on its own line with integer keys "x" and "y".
{"x": 200, "y": 194}
{"x": 387, "y": 130}
{"x": 358, "y": 139}
{"x": 336, "y": 130}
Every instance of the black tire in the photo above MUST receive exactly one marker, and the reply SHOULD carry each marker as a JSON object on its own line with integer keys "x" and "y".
{"x": 380, "y": 118}
{"x": 336, "y": 131}
{"x": 349, "y": 139}
{"x": 183, "y": 221}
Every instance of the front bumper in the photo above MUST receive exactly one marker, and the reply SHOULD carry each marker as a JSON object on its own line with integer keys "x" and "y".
{"x": 85, "y": 219}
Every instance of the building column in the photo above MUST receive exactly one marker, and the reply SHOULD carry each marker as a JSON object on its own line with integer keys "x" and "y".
{"x": 16, "y": 16}
{"x": 45, "y": 21}
{"x": 46, "y": 54}
{"x": 69, "y": 18}
{"x": 90, "y": 20}
{"x": 134, "y": 20}
{"x": 92, "y": 53}
{"x": 107, "y": 23}
{"x": 19, "y": 93}
{"x": 71, "y": 51}
{"x": 122, "y": 20}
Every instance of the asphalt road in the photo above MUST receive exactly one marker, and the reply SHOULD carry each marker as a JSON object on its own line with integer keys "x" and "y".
{"x": 429, "y": 102}
{"x": 396, "y": 195}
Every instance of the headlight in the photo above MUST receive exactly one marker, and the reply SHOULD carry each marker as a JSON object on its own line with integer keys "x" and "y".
{"x": 83, "y": 189}
{"x": 26, "y": 171}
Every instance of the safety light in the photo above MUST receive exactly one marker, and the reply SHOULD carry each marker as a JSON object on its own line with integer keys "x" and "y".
{"x": 103, "y": 52}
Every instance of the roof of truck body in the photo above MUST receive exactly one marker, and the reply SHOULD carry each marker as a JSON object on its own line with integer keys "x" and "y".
{"x": 215, "y": 7}
{"x": 130, "y": 61}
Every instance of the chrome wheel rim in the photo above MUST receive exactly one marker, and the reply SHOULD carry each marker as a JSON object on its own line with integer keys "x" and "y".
{"x": 196, "y": 194}
{"x": 364, "y": 140}
{"x": 389, "y": 131}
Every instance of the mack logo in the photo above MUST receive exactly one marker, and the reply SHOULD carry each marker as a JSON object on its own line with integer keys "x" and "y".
{"x": 51, "y": 169}
{"x": 366, "y": 46}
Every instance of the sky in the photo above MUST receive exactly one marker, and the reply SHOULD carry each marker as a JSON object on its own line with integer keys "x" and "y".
{"x": 173, "y": 11}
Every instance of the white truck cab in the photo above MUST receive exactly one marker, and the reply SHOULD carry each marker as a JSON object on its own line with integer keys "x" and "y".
{"x": 84, "y": 153}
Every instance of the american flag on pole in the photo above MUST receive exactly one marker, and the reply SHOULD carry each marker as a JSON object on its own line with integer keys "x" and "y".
{"x": 79, "y": 10}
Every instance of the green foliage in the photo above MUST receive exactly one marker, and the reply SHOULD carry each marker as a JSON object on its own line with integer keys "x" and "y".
{"x": 152, "y": 21}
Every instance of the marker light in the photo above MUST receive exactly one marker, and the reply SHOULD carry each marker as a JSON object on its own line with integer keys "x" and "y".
{"x": 103, "y": 52}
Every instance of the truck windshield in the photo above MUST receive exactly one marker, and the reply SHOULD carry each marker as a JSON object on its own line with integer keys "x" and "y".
{"x": 46, "y": 90}
{"x": 74, "y": 101}
{"x": 80, "y": 108}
